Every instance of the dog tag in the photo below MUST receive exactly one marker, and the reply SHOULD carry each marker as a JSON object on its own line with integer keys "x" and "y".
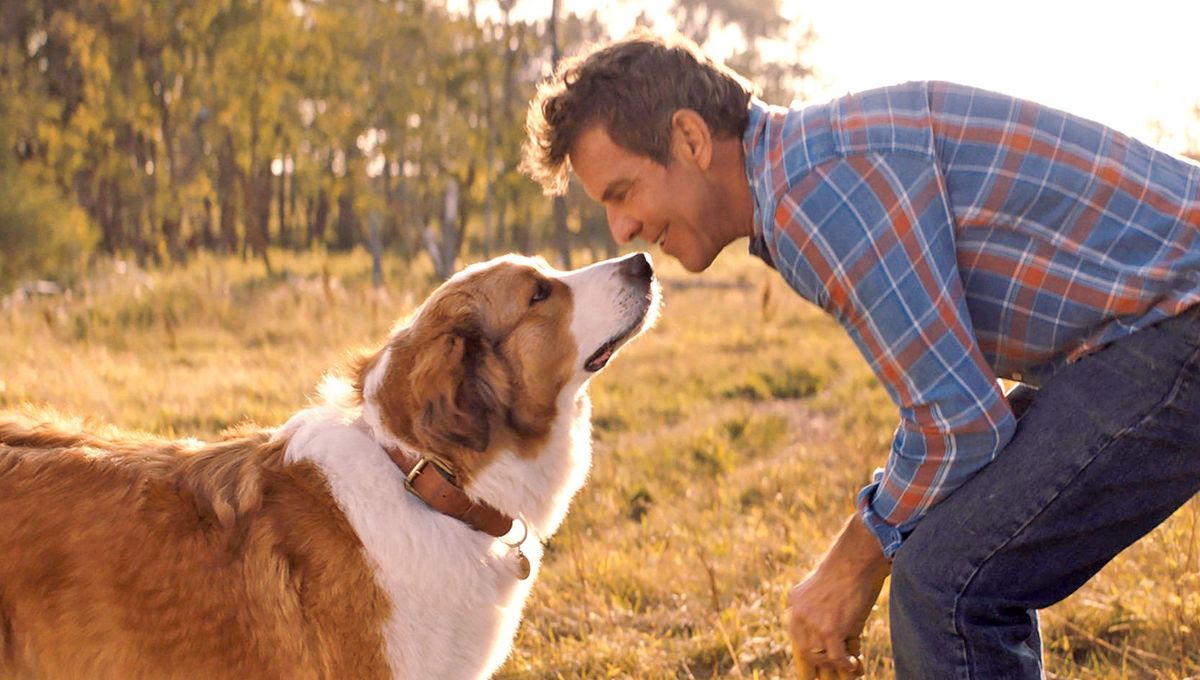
{"x": 523, "y": 568}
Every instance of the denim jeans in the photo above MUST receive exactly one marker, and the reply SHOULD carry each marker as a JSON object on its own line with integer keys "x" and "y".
{"x": 1107, "y": 450}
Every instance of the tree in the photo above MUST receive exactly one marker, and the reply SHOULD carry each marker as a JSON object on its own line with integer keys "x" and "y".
{"x": 249, "y": 125}
{"x": 42, "y": 232}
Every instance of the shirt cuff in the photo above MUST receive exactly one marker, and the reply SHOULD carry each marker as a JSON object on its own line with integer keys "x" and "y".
{"x": 889, "y": 537}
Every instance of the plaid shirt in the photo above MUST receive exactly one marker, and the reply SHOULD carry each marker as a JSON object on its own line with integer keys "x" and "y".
{"x": 959, "y": 235}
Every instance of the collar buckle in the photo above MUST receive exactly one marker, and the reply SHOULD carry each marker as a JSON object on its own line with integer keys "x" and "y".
{"x": 420, "y": 466}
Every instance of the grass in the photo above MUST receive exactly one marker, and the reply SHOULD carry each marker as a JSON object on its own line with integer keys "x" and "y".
{"x": 729, "y": 445}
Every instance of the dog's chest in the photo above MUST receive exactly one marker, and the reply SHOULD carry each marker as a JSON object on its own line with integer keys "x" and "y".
{"x": 456, "y": 601}
{"x": 455, "y": 616}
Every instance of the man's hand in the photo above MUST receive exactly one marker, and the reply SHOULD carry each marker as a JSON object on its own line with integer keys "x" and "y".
{"x": 828, "y": 610}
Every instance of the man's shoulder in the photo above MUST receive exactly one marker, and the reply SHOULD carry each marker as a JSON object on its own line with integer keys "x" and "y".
{"x": 882, "y": 120}
{"x": 918, "y": 100}
{"x": 911, "y": 94}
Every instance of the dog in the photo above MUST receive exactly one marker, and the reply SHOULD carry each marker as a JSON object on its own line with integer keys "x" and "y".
{"x": 391, "y": 530}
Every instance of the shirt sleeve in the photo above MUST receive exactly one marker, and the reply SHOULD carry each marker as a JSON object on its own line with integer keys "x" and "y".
{"x": 869, "y": 238}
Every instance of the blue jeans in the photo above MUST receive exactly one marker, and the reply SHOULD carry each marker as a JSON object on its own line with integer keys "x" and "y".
{"x": 1107, "y": 450}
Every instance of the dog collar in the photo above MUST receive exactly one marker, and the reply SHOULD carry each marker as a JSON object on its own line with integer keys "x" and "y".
{"x": 440, "y": 491}
{"x": 435, "y": 484}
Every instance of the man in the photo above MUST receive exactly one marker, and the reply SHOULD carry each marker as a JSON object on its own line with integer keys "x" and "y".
{"x": 958, "y": 235}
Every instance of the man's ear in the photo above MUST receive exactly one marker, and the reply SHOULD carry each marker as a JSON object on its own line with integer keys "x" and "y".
{"x": 691, "y": 138}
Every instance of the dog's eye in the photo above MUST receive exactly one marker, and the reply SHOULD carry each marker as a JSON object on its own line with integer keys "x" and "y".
{"x": 541, "y": 291}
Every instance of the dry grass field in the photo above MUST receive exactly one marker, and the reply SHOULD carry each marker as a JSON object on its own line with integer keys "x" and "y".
{"x": 729, "y": 445}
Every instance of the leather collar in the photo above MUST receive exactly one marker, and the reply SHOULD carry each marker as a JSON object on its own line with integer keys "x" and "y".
{"x": 434, "y": 483}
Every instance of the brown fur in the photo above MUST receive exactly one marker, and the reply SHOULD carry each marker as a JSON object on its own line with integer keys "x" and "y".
{"x": 129, "y": 556}
{"x": 126, "y": 556}
{"x": 479, "y": 368}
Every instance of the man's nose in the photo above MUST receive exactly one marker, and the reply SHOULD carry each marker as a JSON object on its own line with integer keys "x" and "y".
{"x": 622, "y": 227}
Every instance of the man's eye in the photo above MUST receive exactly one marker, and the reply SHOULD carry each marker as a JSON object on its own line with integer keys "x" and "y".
{"x": 541, "y": 291}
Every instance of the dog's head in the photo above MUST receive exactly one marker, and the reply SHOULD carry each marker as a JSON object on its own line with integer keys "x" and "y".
{"x": 483, "y": 362}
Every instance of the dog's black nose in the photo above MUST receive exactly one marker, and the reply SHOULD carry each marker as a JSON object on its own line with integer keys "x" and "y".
{"x": 636, "y": 267}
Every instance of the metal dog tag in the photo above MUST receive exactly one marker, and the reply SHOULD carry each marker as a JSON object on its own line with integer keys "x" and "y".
{"x": 523, "y": 568}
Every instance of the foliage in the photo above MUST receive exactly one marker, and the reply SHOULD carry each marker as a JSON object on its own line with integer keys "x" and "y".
{"x": 41, "y": 233}
{"x": 242, "y": 127}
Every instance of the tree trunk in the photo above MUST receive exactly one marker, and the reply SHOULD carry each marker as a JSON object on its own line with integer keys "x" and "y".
{"x": 207, "y": 238}
{"x": 521, "y": 232}
{"x": 562, "y": 237}
{"x": 320, "y": 220}
{"x": 291, "y": 207}
{"x": 172, "y": 219}
{"x": 491, "y": 125}
{"x": 171, "y": 230}
{"x": 109, "y": 216}
{"x": 375, "y": 242}
{"x": 443, "y": 247}
{"x": 450, "y": 231}
{"x": 501, "y": 226}
{"x": 285, "y": 236}
{"x": 227, "y": 186}
{"x": 258, "y": 212}
{"x": 346, "y": 235}
{"x": 148, "y": 240}
{"x": 505, "y": 236}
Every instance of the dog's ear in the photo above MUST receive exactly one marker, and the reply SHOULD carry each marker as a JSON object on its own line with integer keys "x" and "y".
{"x": 453, "y": 382}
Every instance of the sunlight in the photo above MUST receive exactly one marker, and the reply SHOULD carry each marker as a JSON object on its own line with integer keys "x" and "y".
{"x": 1130, "y": 65}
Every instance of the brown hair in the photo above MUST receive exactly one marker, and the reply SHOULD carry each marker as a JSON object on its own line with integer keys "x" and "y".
{"x": 633, "y": 86}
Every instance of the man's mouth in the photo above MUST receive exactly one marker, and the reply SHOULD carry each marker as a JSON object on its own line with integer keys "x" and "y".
{"x": 662, "y": 237}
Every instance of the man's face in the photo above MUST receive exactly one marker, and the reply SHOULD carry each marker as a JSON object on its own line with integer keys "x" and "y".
{"x": 672, "y": 205}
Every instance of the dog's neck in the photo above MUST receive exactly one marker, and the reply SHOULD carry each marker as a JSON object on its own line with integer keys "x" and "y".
{"x": 434, "y": 483}
{"x": 536, "y": 487}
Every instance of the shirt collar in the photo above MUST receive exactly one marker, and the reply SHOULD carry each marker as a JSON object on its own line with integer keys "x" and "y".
{"x": 754, "y": 152}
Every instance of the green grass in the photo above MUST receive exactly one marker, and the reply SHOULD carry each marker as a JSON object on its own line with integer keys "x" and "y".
{"x": 730, "y": 442}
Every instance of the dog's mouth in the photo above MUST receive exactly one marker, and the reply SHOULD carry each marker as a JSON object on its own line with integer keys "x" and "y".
{"x": 600, "y": 357}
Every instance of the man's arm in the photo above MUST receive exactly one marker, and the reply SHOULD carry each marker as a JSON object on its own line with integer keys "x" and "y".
{"x": 829, "y": 608}
{"x": 827, "y": 611}
{"x": 869, "y": 239}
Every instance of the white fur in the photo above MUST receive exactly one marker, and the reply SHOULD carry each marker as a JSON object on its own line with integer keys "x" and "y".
{"x": 605, "y": 305}
{"x": 456, "y": 601}
{"x": 455, "y": 598}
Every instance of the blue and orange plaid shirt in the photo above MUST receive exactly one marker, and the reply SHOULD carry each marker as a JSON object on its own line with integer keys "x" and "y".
{"x": 959, "y": 235}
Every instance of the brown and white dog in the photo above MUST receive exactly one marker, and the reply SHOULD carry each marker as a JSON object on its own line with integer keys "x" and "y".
{"x": 299, "y": 552}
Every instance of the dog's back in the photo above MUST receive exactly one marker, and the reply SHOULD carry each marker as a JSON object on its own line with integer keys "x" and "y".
{"x": 124, "y": 556}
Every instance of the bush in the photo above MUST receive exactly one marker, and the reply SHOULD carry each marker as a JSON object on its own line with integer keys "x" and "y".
{"x": 42, "y": 233}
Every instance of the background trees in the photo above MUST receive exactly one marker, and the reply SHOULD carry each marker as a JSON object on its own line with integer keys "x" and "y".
{"x": 154, "y": 129}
